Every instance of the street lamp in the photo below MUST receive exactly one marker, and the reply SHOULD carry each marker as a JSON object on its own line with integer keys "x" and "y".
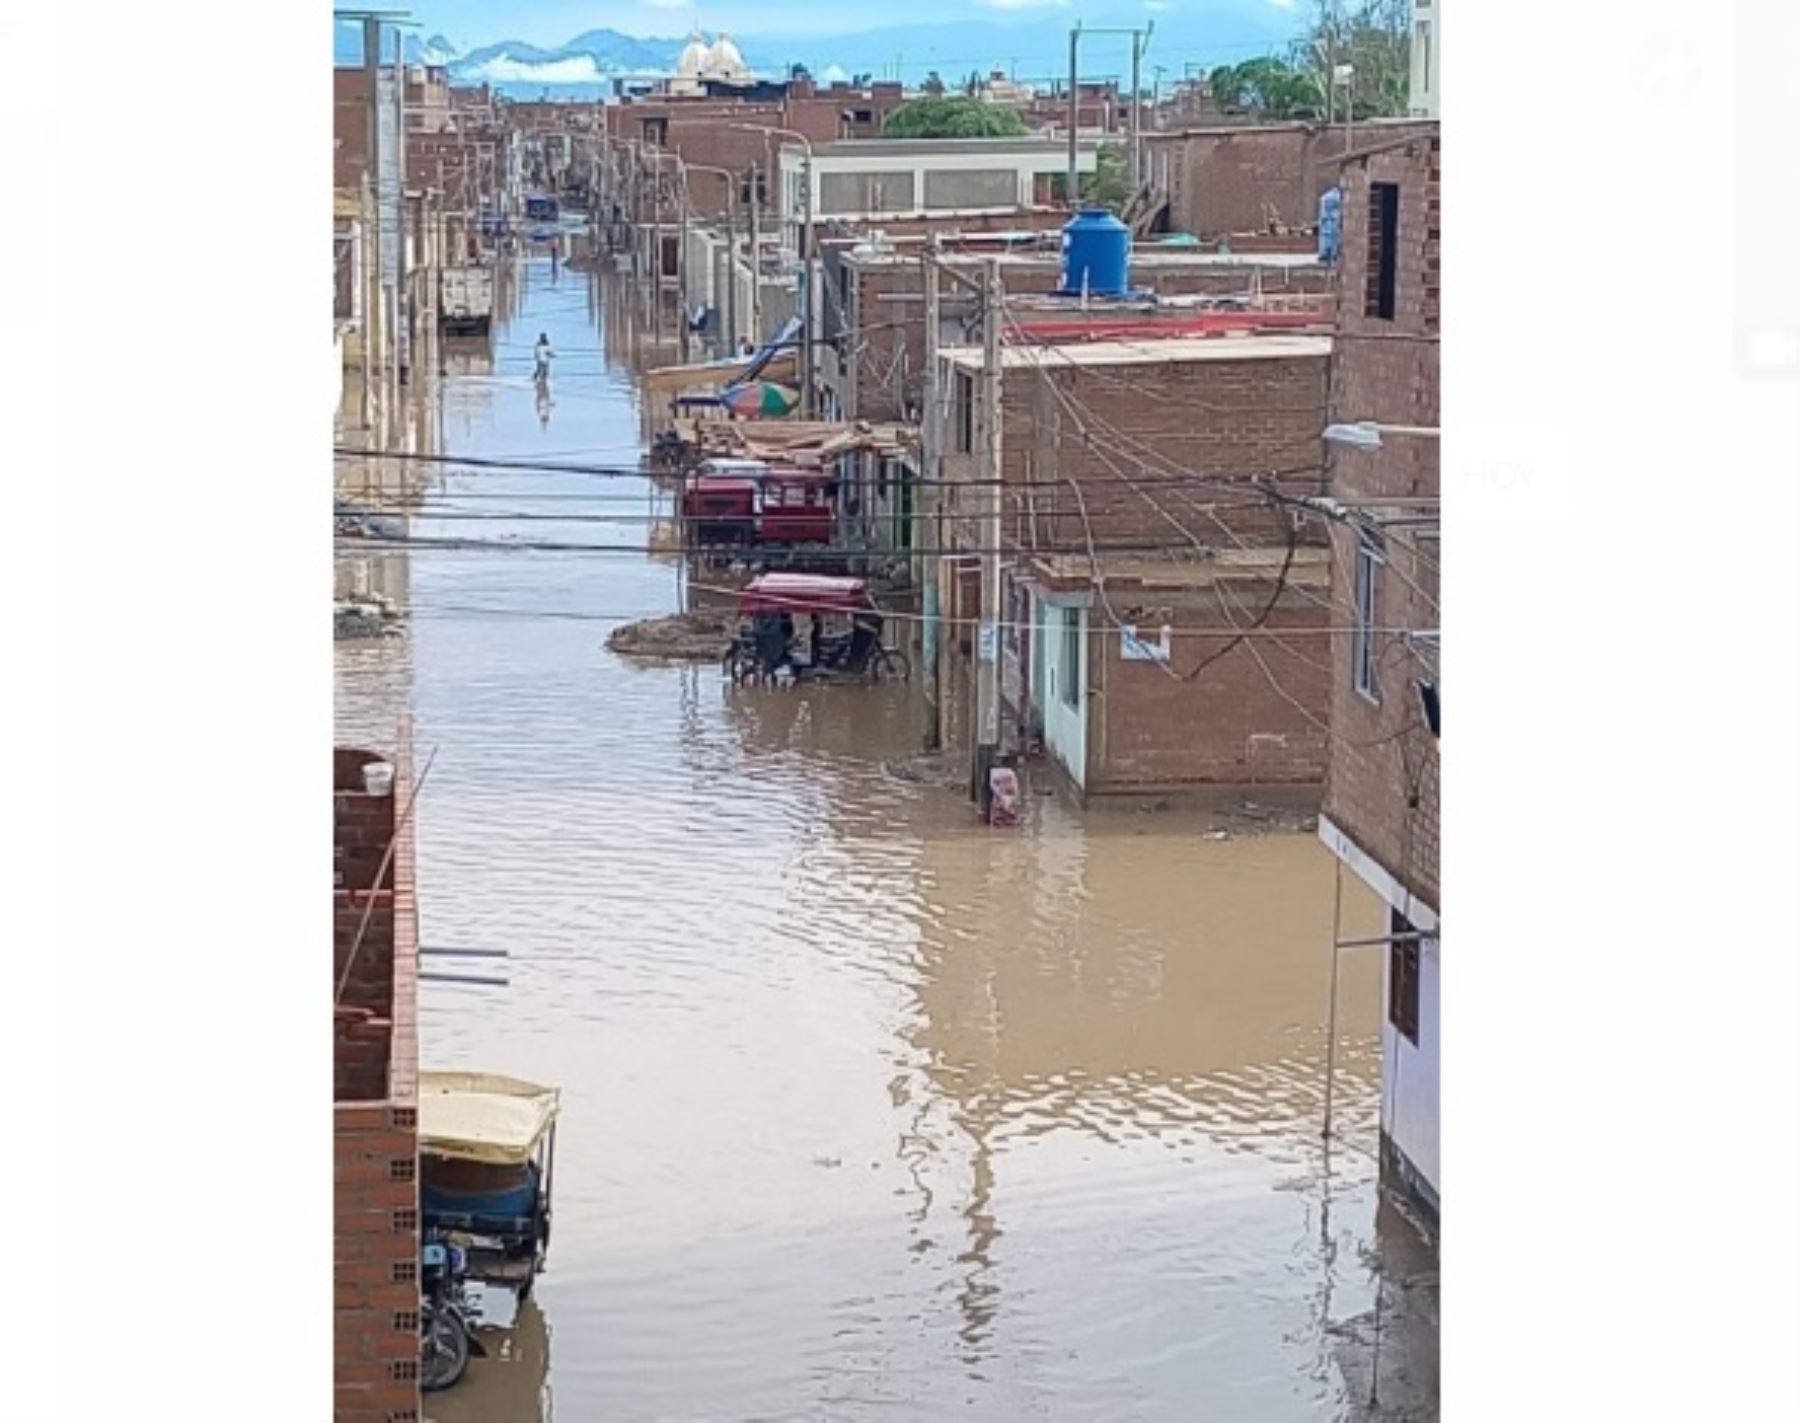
{"x": 1367, "y": 435}
{"x": 806, "y": 256}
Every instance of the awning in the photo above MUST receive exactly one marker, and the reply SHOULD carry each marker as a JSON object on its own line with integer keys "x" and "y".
{"x": 482, "y": 1116}
{"x": 719, "y": 373}
{"x": 794, "y": 442}
{"x": 804, "y": 593}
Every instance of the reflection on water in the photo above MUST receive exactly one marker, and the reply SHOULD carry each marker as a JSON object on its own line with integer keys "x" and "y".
{"x": 867, "y": 1110}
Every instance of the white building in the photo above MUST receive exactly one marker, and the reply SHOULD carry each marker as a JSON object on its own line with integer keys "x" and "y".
{"x": 700, "y": 61}
{"x": 1422, "y": 102}
{"x": 864, "y": 179}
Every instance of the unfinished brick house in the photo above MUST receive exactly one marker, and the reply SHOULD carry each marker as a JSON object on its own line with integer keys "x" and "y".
{"x": 1138, "y": 545}
{"x": 1241, "y": 179}
{"x": 375, "y": 1060}
{"x": 1380, "y": 813}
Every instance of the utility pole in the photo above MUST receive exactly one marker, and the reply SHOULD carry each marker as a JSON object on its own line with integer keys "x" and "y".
{"x": 1074, "y": 118}
{"x": 931, "y": 433}
{"x": 402, "y": 305}
{"x": 1137, "y": 54}
{"x": 375, "y": 326}
{"x": 369, "y": 289}
{"x": 1140, "y": 41}
{"x": 731, "y": 236}
{"x": 806, "y": 252}
{"x": 681, "y": 261}
{"x": 756, "y": 331}
{"x": 987, "y": 651}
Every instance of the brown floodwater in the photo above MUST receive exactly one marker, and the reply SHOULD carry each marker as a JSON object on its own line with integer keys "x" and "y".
{"x": 869, "y": 1111}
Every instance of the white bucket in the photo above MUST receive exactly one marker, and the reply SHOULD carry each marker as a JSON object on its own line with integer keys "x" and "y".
{"x": 378, "y": 778}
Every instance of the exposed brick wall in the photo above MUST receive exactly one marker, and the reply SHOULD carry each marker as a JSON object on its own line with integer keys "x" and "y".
{"x": 1382, "y": 783}
{"x": 1238, "y": 180}
{"x": 890, "y": 350}
{"x": 1233, "y": 419}
{"x": 376, "y": 1256}
{"x": 376, "y": 1063}
{"x": 1234, "y": 724}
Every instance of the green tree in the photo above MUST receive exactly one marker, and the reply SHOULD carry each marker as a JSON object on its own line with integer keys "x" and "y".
{"x": 933, "y": 85}
{"x": 1108, "y": 186}
{"x": 952, "y": 118}
{"x": 1373, "y": 38}
{"x": 1267, "y": 88}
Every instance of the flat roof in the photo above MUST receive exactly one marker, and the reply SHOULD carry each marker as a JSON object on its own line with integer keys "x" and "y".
{"x": 1146, "y": 257}
{"x": 930, "y": 147}
{"x": 1151, "y": 351}
{"x": 1309, "y": 568}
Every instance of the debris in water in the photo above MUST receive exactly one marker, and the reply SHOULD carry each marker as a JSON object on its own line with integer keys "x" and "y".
{"x": 680, "y": 637}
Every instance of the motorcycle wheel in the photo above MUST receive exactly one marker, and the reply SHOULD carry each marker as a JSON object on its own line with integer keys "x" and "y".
{"x": 443, "y": 1352}
{"x": 890, "y": 665}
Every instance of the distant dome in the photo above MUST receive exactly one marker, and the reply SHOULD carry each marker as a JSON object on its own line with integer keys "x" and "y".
{"x": 727, "y": 62}
{"x": 694, "y": 58}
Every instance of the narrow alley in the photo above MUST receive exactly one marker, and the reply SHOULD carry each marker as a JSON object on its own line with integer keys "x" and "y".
{"x": 866, "y": 1108}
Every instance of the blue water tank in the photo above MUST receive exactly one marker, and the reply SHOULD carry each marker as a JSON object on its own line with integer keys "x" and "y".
{"x": 1096, "y": 254}
{"x": 1331, "y": 224}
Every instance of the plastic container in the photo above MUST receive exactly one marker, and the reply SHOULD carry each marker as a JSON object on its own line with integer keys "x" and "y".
{"x": 1096, "y": 249}
{"x": 378, "y": 778}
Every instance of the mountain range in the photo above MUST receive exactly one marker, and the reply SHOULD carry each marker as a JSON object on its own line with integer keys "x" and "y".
{"x": 1034, "y": 47}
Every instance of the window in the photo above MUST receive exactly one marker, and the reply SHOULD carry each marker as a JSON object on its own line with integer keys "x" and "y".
{"x": 1403, "y": 978}
{"x": 1424, "y": 46}
{"x": 1069, "y": 682}
{"x": 1384, "y": 251}
{"x": 964, "y": 401}
{"x": 1362, "y": 642}
{"x": 656, "y": 132}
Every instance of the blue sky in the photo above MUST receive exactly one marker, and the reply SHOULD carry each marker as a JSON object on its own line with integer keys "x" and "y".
{"x": 547, "y": 23}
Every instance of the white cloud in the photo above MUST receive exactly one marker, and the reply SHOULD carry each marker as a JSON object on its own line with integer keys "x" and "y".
{"x": 1282, "y": 4}
{"x": 504, "y": 69}
{"x": 835, "y": 74}
{"x": 667, "y": 4}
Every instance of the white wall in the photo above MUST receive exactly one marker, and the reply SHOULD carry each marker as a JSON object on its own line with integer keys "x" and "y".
{"x": 1026, "y": 166}
{"x": 1409, "y": 1072}
{"x": 1410, "y": 1075}
{"x": 1422, "y": 101}
{"x": 1065, "y": 727}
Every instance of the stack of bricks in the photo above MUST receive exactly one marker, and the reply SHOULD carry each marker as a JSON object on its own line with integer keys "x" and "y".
{"x": 376, "y": 1192}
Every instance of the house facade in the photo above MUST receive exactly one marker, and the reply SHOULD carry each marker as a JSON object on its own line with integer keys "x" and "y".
{"x": 1380, "y": 811}
{"x": 1139, "y": 547}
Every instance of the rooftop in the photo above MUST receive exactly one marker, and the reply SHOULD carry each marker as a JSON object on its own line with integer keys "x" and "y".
{"x": 937, "y": 147}
{"x": 1135, "y": 574}
{"x": 904, "y": 251}
{"x": 1149, "y": 351}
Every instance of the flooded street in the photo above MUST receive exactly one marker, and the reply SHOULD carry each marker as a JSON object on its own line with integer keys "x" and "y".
{"x": 869, "y": 1110}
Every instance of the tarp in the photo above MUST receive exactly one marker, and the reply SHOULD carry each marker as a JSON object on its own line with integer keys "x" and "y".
{"x": 803, "y": 593}
{"x": 720, "y": 373}
{"x": 482, "y": 1116}
{"x": 762, "y": 397}
{"x": 794, "y": 442}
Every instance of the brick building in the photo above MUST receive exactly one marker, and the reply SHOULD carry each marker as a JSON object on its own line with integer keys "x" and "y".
{"x": 1122, "y": 595}
{"x": 1239, "y": 179}
{"x": 718, "y": 133}
{"x": 1380, "y": 814}
{"x": 875, "y": 293}
{"x": 375, "y": 1061}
